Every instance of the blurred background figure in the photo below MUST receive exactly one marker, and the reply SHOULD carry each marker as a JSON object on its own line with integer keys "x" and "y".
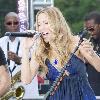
{"x": 12, "y": 50}
{"x": 92, "y": 23}
{"x": 10, "y": 45}
{"x": 4, "y": 75}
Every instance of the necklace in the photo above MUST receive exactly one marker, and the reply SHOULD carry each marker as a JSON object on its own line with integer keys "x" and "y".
{"x": 55, "y": 62}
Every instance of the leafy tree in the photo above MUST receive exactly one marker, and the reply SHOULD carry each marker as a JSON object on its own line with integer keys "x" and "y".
{"x": 75, "y": 10}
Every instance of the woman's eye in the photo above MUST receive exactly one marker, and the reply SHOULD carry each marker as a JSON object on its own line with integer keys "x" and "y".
{"x": 46, "y": 22}
{"x": 38, "y": 25}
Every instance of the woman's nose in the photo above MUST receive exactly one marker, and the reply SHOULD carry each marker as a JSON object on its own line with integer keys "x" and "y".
{"x": 44, "y": 33}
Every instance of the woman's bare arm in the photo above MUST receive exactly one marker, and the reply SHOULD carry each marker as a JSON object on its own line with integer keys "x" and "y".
{"x": 28, "y": 67}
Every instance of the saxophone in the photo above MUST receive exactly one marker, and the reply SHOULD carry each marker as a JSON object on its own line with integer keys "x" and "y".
{"x": 18, "y": 92}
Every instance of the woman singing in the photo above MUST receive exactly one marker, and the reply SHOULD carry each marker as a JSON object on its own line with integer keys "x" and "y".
{"x": 52, "y": 51}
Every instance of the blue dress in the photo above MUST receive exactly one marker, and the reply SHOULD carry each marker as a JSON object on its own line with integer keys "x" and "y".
{"x": 72, "y": 87}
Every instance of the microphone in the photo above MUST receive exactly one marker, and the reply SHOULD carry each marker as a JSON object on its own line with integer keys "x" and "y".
{"x": 82, "y": 34}
{"x": 23, "y": 34}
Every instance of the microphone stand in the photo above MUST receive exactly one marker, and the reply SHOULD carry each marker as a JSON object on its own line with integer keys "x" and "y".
{"x": 62, "y": 73}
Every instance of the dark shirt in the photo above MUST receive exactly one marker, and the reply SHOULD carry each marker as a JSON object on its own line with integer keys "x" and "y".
{"x": 2, "y": 58}
{"x": 93, "y": 75}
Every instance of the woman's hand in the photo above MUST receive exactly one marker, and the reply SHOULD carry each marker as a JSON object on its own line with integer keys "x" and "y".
{"x": 28, "y": 42}
{"x": 86, "y": 48}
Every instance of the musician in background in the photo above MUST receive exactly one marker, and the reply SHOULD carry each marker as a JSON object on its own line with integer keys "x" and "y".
{"x": 54, "y": 47}
{"x": 12, "y": 50}
{"x": 10, "y": 44}
{"x": 5, "y": 81}
{"x": 92, "y": 23}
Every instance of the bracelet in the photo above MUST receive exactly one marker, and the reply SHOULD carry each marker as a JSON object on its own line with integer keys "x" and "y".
{"x": 92, "y": 53}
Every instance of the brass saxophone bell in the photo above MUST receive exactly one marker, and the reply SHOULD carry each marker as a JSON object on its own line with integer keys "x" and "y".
{"x": 15, "y": 92}
{"x": 19, "y": 92}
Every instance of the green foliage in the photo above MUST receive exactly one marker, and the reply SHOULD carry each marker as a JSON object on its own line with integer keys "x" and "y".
{"x": 75, "y": 10}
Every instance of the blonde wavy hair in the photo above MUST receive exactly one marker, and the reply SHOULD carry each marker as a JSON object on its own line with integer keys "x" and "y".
{"x": 63, "y": 36}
